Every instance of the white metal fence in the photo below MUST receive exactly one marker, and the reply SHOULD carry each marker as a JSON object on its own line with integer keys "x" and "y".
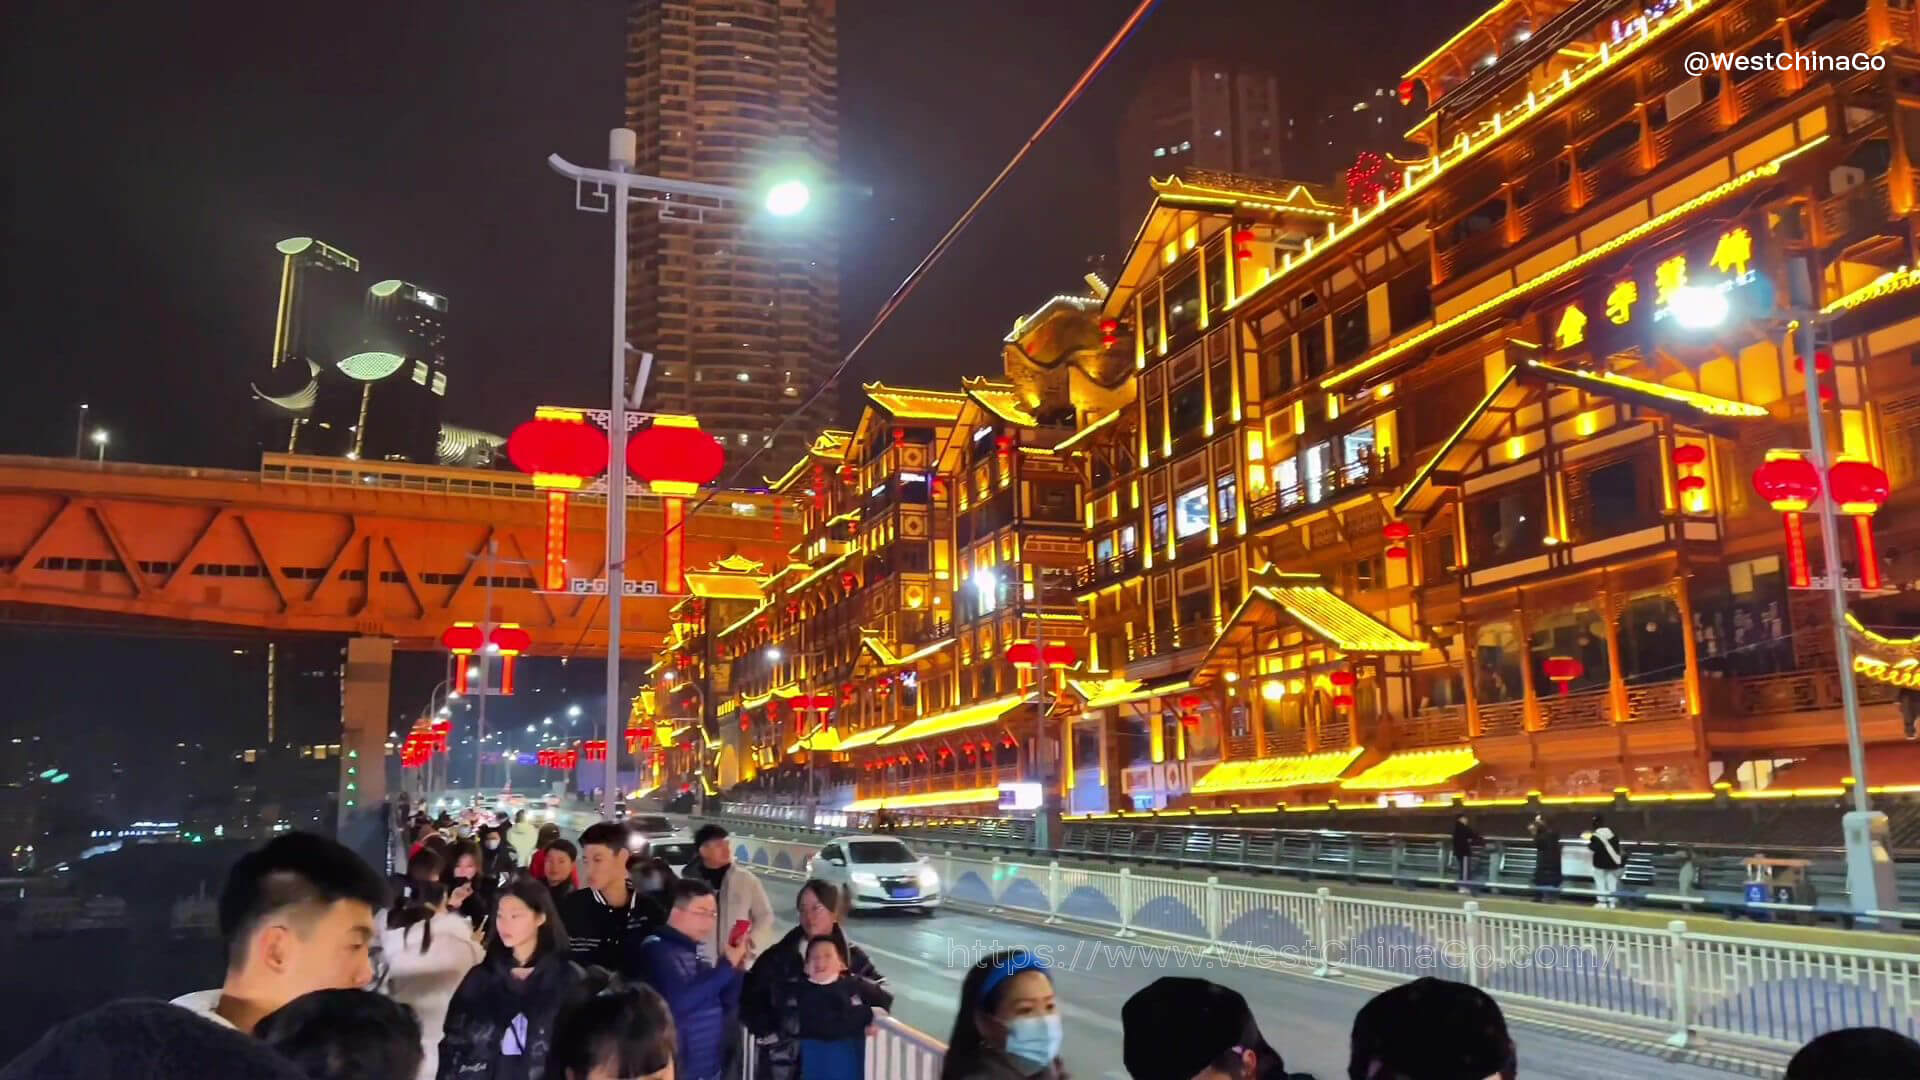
{"x": 1669, "y": 981}
{"x": 894, "y": 1052}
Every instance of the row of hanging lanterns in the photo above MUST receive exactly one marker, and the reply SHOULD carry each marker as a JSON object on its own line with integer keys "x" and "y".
{"x": 1790, "y": 484}
{"x": 507, "y": 640}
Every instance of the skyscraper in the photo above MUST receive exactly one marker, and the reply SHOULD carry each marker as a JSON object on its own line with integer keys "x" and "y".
{"x": 312, "y": 329}
{"x": 400, "y": 417}
{"x": 740, "y": 312}
{"x": 1204, "y": 114}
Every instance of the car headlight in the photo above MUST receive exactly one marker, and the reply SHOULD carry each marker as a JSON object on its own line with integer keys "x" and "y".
{"x": 929, "y": 881}
{"x": 869, "y": 880}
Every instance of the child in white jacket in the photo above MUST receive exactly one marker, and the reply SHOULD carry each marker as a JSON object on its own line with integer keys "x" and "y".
{"x": 428, "y": 950}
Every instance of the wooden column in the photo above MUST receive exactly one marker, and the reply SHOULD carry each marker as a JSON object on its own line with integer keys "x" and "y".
{"x": 1467, "y": 656}
{"x": 1616, "y": 680}
{"x": 1683, "y": 599}
{"x": 1529, "y": 697}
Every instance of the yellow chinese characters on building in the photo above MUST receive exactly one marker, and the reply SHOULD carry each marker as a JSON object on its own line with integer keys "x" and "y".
{"x": 1572, "y": 330}
{"x": 1620, "y": 301}
{"x": 1668, "y": 278}
{"x": 1733, "y": 253}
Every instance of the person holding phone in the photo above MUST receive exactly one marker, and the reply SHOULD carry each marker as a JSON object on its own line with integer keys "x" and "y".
{"x": 500, "y": 1023}
{"x": 702, "y": 996}
{"x": 738, "y": 893}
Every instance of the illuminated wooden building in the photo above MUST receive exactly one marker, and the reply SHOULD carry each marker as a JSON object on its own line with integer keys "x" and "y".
{"x": 1446, "y": 491}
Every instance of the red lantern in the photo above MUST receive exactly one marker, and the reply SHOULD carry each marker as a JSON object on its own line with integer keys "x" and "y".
{"x": 561, "y": 451}
{"x": 1343, "y": 701}
{"x": 1191, "y": 720}
{"x": 1562, "y": 670}
{"x": 847, "y": 474}
{"x": 1687, "y": 455}
{"x": 1407, "y": 87}
{"x": 746, "y": 724}
{"x": 1826, "y": 394}
{"x": 1004, "y": 444}
{"x": 1860, "y": 488}
{"x": 1060, "y": 655}
{"x": 676, "y": 459}
{"x": 510, "y": 641}
{"x": 1396, "y": 551}
{"x": 1790, "y": 484}
{"x": 849, "y": 580}
{"x": 1342, "y": 678}
{"x": 1023, "y": 654}
{"x": 1189, "y": 702}
{"x": 1243, "y": 243}
{"x": 1692, "y": 483}
{"x": 1009, "y": 743}
{"x": 1822, "y": 363}
{"x": 1396, "y": 531}
{"x": 1109, "y": 333}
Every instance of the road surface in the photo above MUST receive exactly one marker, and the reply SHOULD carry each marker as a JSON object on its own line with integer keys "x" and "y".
{"x": 1308, "y": 1020}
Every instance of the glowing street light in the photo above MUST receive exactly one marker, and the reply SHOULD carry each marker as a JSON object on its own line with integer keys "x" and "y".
{"x": 773, "y": 653}
{"x": 100, "y": 443}
{"x": 1698, "y": 308}
{"x": 573, "y": 710}
{"x": 787, "y": 198}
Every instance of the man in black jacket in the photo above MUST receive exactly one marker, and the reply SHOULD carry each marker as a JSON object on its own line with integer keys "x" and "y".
{"x": 606, "y": 914}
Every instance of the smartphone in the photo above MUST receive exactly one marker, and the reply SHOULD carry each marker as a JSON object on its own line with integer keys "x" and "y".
{"x": 739, "y": 933}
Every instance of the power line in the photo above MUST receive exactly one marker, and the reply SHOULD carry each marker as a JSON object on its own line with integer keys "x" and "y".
{"x": 906, "y": 287}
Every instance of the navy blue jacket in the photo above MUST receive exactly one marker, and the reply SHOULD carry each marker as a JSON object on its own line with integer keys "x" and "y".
{"x": 700, "y": 995}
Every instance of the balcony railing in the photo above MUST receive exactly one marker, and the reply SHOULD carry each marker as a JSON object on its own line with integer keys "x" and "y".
{"x": 1589, "y": 708}
{"x": 1171, "y": 639}
{"x": 1432, "y": 727}
{"x": 961, "y": 779}
{"x": 1796, "y": 691}
{"x": 1657, "y": 701}
{"x": 1365, "y": 470}
{"x": 1503, "y": 718}
{"x": 1095, "y": 574}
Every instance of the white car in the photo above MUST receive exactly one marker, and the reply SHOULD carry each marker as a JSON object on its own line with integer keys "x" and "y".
{"x": 878, "y": 872}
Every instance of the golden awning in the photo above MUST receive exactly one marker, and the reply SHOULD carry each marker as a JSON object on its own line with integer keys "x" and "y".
{"x": 865, "y": 737}
{"x": 826, "y": 740}
{"x": 1105, "y": 693}
{"x": 1268, "y": 774}
{"x": 968, "y": 716}
{"x": 1414, "y": 769}
{"x": 1302, "y": 600}
{"x": 928, "y": 798}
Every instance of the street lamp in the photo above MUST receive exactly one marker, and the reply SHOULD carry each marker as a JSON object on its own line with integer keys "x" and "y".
{"x": 573, "y": 710}
{"x": 773, "y": 653}
{"x": 597, "y": 191}
{"x": 100, "y": 444}
{"x": 80, "y": 432}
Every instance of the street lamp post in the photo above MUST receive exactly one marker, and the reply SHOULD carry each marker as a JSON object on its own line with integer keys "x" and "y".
{"x": 80, "y": 432}
{"x": 100, "y": 444}
{"x": 598, "y": 191}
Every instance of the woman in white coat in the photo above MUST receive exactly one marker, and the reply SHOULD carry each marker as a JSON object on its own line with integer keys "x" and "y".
{"x": 428, "y": 950}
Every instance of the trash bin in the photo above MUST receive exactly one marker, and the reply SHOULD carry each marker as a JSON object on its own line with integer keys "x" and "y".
{"x": 1779, "y": 881}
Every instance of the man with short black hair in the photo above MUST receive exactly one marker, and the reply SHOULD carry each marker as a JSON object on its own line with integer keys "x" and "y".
{"x": 1192, "y": 1029}
{"x": 297, "y": 916}
{"x": 741, "y": 896}
{"x": 703, "y": 997}
{"x": 1861, "y": 1053}
{"x": 606, "y": 916}
{"x": 1430, "y": 1029}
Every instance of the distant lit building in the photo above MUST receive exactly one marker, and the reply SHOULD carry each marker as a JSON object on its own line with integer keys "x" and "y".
{"x": 1204, "y": 114}
{"x": 400, "y": 411}
{"x": 741, "y": 313}
{"x": 313, "y": 327}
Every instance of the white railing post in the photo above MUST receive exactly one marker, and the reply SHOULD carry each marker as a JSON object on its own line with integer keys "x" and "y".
{"x": 1323, "y": 933}
{"x": 1053, "y": 890}
{"x": 1213, "y": 913}
{"x": 993, "y": 886}
{"x": 1680, "y": 946}
{"x": 1472, "y": 910}
{"x": 1126, "y": 902}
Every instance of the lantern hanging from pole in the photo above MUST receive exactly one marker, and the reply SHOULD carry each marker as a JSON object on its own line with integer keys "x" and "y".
{"x": 462, "y": 639}
{"x": 1790, "y": 484}
{"x": 561, "y": 451}
{"x": 676, "y": 459}
{"x": 510, "y": 641}
{"x": 1562, "y": 671}
{"x": 1859, "y": 490}
{"x": 1023, "y": 654}
{"x": 1060, "y": 655}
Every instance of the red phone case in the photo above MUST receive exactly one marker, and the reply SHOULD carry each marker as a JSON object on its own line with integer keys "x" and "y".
{"x": 739, "y": 933}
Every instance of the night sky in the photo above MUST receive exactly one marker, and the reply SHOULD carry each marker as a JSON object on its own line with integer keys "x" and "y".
{"x": 158, "y": 151}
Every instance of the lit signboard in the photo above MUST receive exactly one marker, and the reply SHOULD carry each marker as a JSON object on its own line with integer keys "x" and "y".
{"x": 1690, "y": 295}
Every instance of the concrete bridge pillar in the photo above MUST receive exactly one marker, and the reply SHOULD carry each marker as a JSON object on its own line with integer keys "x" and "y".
{"x": 364, "y": 712}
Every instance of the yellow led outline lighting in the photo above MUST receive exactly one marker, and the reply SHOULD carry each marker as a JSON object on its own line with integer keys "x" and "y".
{"x": 1310, "y": 770}
{"x": 967, "y": 716}
{"x": 1887, "y": 284}
{"x": 1565, "y": 269}
{"x": 928, "y": 798}
{"x": 1398, "y": 770}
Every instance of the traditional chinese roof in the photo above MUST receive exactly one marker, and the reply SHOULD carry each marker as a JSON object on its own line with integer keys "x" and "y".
{"x": 735, "y": 577}
{"x": 962, "y": 797}
{"x": 1491, "y": 34}
{"x": 1270, "y": 774}
{"x": 1304, "y": 601}
{"x": 909, "y": 404}
{"x": 829, "y": 445}
{"x": 999, "y": 399}
{"x": 874, "y": 644}
{"x": 1414, "y": 769}
{"x": 1077, "y": 303}
{"x": 865, "y": 737}
{"x": 967, "y": 716}
{"x": 1233, "y": 189}
{"x": 1520, "y": 385}
{"x": 1105, "y": 693}
{"x": 823, "y": 739}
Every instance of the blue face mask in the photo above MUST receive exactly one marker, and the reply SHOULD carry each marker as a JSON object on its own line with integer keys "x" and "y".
{"x": 1034, "y": 1041}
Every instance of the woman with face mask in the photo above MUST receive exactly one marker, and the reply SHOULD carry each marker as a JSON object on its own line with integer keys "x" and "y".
{"x": 1008, "y": 1026}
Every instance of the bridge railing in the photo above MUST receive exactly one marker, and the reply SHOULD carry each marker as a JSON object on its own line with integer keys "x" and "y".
{"x": 1665, "y": 981}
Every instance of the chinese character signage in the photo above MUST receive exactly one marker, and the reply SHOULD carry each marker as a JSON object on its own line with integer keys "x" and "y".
{"x": 1700, "y": 292}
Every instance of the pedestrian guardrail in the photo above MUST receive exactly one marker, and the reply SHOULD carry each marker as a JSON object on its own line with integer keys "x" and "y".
{"x": 1667, "y": 982}
{"x": 895, "y": 1051}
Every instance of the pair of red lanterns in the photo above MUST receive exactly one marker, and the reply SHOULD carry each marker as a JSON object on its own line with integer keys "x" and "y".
{"x": 1790, "y": 483}
{"x": 508, "y": 640}
{"x": 1026, "y": 654}
{"x": 563, "y": 450}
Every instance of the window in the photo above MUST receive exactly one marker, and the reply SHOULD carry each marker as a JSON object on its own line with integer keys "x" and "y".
{"x": 1226, "y": 497}
{"x": 1183, "y": 306}
{"x": 1187, "y": 407}
{"x": 1160, "y": 526}
{"x": 1276, "y": 364}
{"x": 1055, "y": 502}
{"x": 1496, "y": 657}
{"x": 879, "y": 851}
{"x": 1129, "y": 539}
{"x": 1356, "y": 447}
{"x": 1313, "y": 350}
{"x": 1575, "y": 632}
{"x": 1317, "y": 466}
{"x": 1220, "y": 383}
{"x": 1409, "y": 299}
{"x": 1350, "y": 334}
{"x": 1286, "y": 481}
{"x": 1652, "y": 642}
{"x": 1506, "y": 524}
{"x": 1613, "y": 498}
{"x": 1217, "y": 274}
{"x": 1366, "y": 573}
{"x": 1190, "y": 512}
{"x": 1103, "y": 548}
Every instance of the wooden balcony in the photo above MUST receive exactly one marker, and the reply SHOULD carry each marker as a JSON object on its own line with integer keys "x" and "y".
{"x": 1469, "y": 254}
{"x": 1686, "y": 133}
{"x": 932, "y": 779}
{"x": 1503, "y": 718}
{"x": 1432, "y": 727}
{"x": 1094, "y": 575}
{"x": 1657, "y": 701}
{"x": 1172, "y": 639}
{"x": 1793, "y": 691}
{"x": 1366, "y": 471}
{"x": 1588, "y": 708}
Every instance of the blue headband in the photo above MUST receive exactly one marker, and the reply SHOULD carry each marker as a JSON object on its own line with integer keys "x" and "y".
{"x": 1006, "y": 969}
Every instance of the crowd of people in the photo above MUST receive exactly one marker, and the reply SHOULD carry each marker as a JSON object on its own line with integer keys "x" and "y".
{"x": 592, "y": 964}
